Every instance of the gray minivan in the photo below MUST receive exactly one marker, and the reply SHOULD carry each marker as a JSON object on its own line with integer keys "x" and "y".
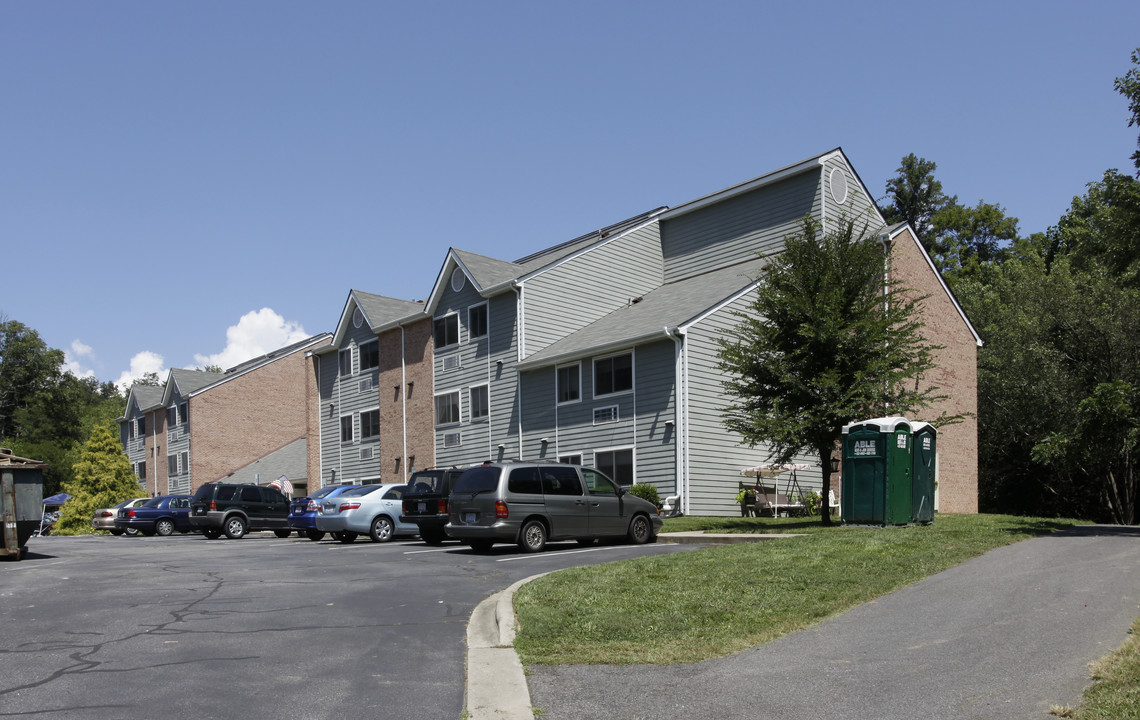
{"x": 531, "y": 503}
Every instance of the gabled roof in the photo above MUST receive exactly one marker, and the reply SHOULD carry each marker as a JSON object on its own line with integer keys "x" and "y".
{"x": 274, "y": 355}
{"x": 290, "y": 461}
{"x": 144, "y": 397}
{"x": 667, "y": 308}
{"x": 490, "y": 275}
{"x": 380, "y": 312}
{"x": 187, "y": 382}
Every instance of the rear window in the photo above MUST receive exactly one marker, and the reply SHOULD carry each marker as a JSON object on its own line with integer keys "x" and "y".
{"x": 226, "y": 492}
{"x": 395, "y": 493}
{"x": 362, "y": 490}
{"x": 204, "y": 492}
{"x": 478, "y": 480}
{"x": 153, "y": 502}
{"x": 324, "y": 491}
{"x": 425, "y": 482}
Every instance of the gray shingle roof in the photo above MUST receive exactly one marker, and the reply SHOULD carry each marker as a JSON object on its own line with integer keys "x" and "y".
{"x": 146, "y": 396}
{"x": 669, "y": 306}
{"x": 289, "y": 461}
{"x": 381, "y": 310}
{"x": 191, "y": 381}
{"x": 486, "y": 271}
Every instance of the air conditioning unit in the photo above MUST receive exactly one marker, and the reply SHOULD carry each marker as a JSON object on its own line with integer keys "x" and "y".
{"x": 606, "y": 415}
{"x": 451, "y": 440}
{"x": 366, "y": 453}
{"x": 366, "y": 385}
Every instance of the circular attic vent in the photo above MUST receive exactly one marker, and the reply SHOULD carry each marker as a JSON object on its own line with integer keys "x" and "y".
{"x": 357, "y": 318}
{"x": 838, "y": 182}
{"x": 457, "y": 279}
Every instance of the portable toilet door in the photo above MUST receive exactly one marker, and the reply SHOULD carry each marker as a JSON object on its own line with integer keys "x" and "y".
{"x": 900, "y": 461}
{"x": 877, "y": 472}
{"x": 925, "y": 464}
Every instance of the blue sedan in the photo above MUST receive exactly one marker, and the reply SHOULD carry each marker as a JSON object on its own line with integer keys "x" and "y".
{"x": 162, "y": 515}
{"x": 303, "y": 511}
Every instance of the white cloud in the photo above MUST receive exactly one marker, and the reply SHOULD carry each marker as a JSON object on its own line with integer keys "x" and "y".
{"x": 256, "y": 333}
{"x": 141, "y": 364}
{"x": 71, "y": 357}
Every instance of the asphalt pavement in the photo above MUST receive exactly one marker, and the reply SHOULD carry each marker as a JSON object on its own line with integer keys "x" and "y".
{"x": 1003, "y": 636}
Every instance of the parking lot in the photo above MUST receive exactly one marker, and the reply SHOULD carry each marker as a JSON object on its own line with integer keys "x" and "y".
{"x": 184, "y": 627}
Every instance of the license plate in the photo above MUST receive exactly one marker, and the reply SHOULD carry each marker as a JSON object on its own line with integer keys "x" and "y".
{"x": 469, "y": 518}
{"x": 200, "y": 511}
{"x": 422, "y": 507}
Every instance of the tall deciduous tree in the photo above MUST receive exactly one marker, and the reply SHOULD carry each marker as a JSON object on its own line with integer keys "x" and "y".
{"x": 1128, "y": 85}
{"x": 103, "y": 478}
{"x": 827, "y": 340}
{"x": 27, "y": 368}
{"x": 916, "y": 197}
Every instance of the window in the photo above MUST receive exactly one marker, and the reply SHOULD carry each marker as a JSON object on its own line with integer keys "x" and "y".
{"x": 613, "y": 374}
{"x": 597, "y": 483}
{"x": 140, "y": 471}
{"x": 617, "y": 464}
{"x": 185, "y": 458}
{"x": 344, "y": 358}
{"x": 525, "y": 480}
{"x": 447, "y": 408}
{"x": 171, "y": 416}
{"x": 141, "y": 427}
{"x": 369, "y": 424}
{"x": 569, "y": 383}
{"x": 606, "y": 415}
{"x": 184, "y": 414}
{"x": 446, "y": 330}
{"x": 346, "y": 428}
{"x": 477, "y": 321}
{"x": 479, "y": 402}
{"x": 575, "y": 459}
{"x": 171, "y": 465}
{"x": 250, "y": 494}
{"x": 369, "y": 355}
{"x": 560, "y": 480}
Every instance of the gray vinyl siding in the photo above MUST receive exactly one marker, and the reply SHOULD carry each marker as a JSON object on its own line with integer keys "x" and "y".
{"x": 178, "y": 442}
{"x": 642, "y": 414}
{"x": 488, "y": 360}
{"x": 716, "y": 455}
{"x": 857, "y": 206}
{"x": 580, "y": 290}
{"x": 738, "y": 228}
{"x": 342, "y": 396}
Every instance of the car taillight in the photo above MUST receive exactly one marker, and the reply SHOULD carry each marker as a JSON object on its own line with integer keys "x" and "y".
{"x": 501, "y": 510}
{"x": 108, "y": 513}
{"x": 213, "y": 505}
{"x": 130, "y": 513}
{"x": 442, "y": 508}
{"x": 312, "y": 506}
{"x": 348, "y": 506}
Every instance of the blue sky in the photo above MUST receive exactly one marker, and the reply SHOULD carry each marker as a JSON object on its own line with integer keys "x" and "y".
{"x": 183, "y": 183}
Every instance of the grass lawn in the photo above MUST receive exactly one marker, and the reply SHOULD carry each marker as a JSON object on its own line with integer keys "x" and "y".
{"x": 1115, "y": 692}
{"x": 693, "y": 606}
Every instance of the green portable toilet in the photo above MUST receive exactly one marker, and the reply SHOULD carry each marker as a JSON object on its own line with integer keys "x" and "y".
{"x": 21, "y": 495}
{"x": 925, "y": 463}
{"x": 877, "y": 460}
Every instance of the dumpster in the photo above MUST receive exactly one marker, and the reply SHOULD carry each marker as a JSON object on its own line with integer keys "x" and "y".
{"x": 21, "y": 495}
{"x": 925, "y": 464}
{"x": 877, "y": 467}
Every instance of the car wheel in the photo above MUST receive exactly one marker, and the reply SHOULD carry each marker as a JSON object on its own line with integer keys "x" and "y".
{"x": 235, "y": 527}
{"x": 131, "y": 532}
{"x": 640, "y": 531}
{"x": 347, "y": 537}
{"x": 164, "y": 527}
{"x": 314, "y": 535}
{"x": 432, "y": 538}
{"x": 533, "y": 537}
{"x": 212, "y": 534}
{"x": 282, "y": 533}
{"x": 382, "y": 529}
{"x": 116, "y": 532}
{"x": 481, "y": 545}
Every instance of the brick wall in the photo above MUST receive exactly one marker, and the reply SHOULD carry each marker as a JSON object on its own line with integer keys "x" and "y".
{"x": 405, "y": 387}
{"x": 955, "y": 373}
{"x": 157, "y": 475}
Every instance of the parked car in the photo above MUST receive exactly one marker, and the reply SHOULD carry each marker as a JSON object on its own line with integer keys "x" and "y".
{"x": 239, "y": 509}
{"x": 104, "y": 518}
{"x": 531, "y": 503}
{"x": 162, "y": 515}
{"x": 425, "y": 501}
{"x": 303, "y": 512}
{"x": 369, "y": 509}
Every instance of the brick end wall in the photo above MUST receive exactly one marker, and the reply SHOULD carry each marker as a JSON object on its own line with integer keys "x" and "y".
{"x": 406, "y": 388}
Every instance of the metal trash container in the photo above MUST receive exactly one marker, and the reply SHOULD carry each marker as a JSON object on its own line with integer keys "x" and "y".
{"x": 924, "y": 469}
{"x": 21, "y": 495}
{"x": 877, "y": 467}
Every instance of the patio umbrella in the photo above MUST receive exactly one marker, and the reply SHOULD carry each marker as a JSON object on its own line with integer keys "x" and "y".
{"x": 770, "y": 470}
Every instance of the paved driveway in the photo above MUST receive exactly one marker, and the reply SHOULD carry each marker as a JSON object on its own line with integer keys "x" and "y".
{"x": 184, "y": 627}
{"x": 1002, "y": 636}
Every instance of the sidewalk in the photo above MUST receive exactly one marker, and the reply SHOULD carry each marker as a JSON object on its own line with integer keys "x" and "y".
{"x": 1005, "y": 635}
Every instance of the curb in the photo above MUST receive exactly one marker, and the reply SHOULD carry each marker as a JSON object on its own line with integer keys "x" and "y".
{"x": 496, "y": 683}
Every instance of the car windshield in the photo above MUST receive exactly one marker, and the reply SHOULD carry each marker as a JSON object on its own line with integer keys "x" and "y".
{"x": 362, "y": 490}
{"x": 477, "y": 480}
{"x": 153, "y": 502}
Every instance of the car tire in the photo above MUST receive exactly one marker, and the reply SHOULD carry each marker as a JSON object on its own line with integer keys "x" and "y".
{"x": 532, "y": 538}
{"x": 131, "y": 532}
{"x": 640, "y": 530}
{"x": 347, "y": 537}
{"x": 116, "y": 532}
{"x": 235, "y": 527}
{"x": 480, "y": 545}
{"x": 314, "y": 535}
{"x": 432, "y": 538}
{"x": 212, "y": 534}
{"x": 282, "y": 533}
{"x": 164, "y": 527}
{"x": 382, "y": 529}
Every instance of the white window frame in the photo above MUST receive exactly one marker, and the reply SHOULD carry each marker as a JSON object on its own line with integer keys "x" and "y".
{"x": 558, "y": 384}
{"x": 360, "y": 423}
{"x": 459, "y": 408}
{"x": 471, "y": 401}
{"x": 620, "y": 448}
{"x": 632, "y": 373}
{"x": 341, "y": 361}
{"x": 569, "y": 458}
{"x": 458, "y": 439}
{"x": 352, "y": 430}
{"x": 458, "y": 330}
{"x": 486, "y": 321}
{"x": 360, "y": 351}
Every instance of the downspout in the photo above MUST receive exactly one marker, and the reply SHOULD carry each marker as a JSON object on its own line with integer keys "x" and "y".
{"x": 403, "y": 403}
{"x": 823, "y": 198}
{"x": 680, "y": 428}
{"x": 520, "y": 352}
{"x": 320, "y": 431}
{"x": 885, "y": 242}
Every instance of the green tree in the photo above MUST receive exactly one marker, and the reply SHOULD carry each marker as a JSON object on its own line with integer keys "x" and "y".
{"x": 827, "y": 340}
{"x": 103, "y": 478}
{"x": 27, "y": 367}
{"x": 1102, "y": 228}
{"x": 1128, "y": 85}
{"x": 916, "y": 197}
{"x": 963, "y": 237}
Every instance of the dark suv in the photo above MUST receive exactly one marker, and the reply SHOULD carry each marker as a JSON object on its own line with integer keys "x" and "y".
{"x": 239, "y": 509}
{"x": 425, "y": 501}
{"x": 529, "y": 503}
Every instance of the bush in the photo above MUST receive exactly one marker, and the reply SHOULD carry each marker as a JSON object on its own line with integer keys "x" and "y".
{"x": 646, "y": 491}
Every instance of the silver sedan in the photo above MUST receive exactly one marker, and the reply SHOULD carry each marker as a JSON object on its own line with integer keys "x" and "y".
{"x": 369, "y": 509}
